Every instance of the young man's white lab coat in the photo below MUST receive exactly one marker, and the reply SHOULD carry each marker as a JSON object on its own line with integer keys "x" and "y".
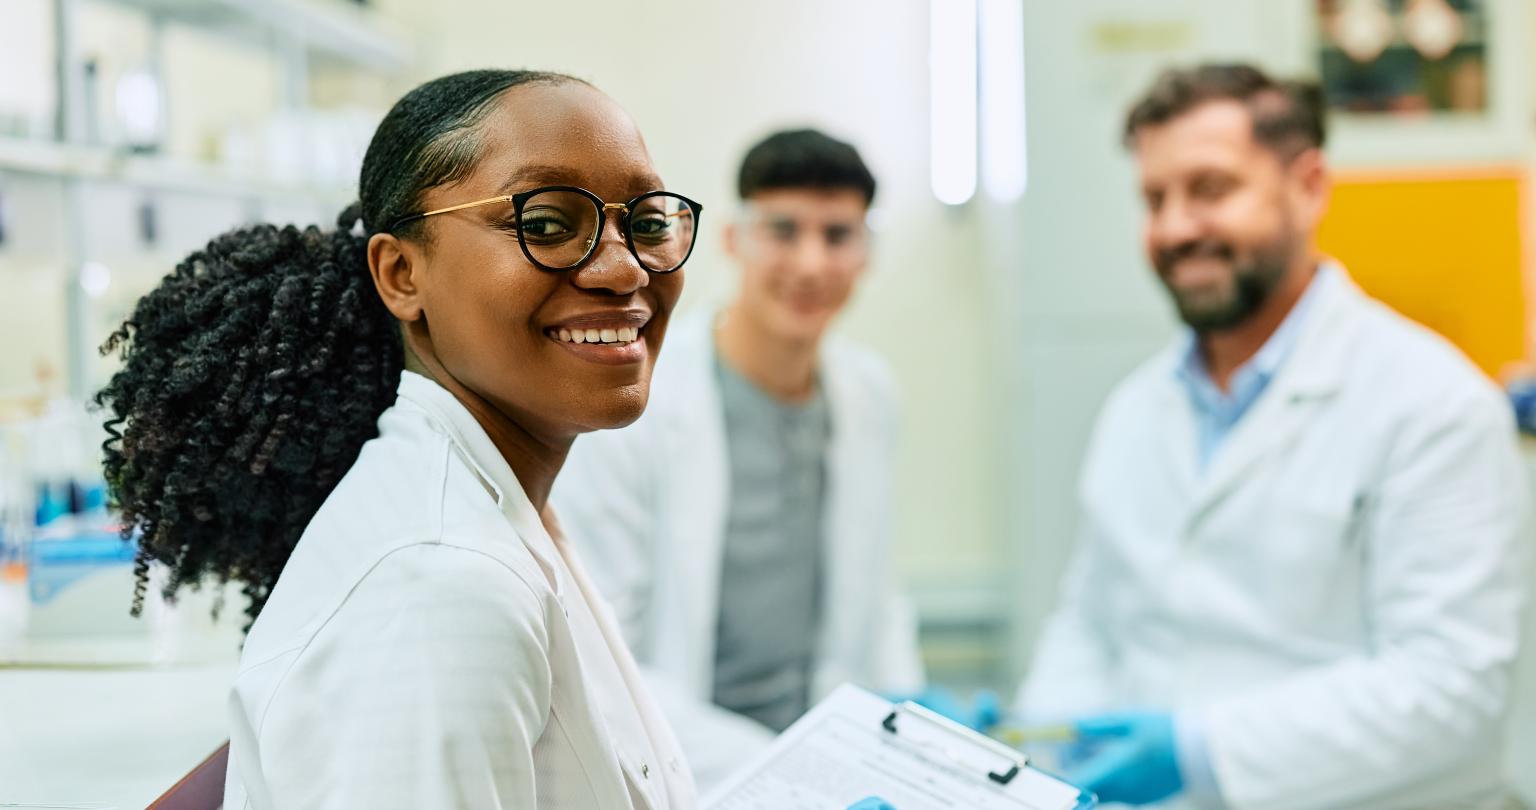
{"x": 647, "y": 506}
{"x": 431, "y": 645}
{"x": 1334, "y": 600}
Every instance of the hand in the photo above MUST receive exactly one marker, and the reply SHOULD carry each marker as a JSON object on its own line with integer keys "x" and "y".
{"x": 980, "y": 714}
{"x": 1135, "y": 761}
{"x": 871, "y": 803}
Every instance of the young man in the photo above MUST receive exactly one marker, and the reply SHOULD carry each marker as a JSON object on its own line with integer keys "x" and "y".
{"x": 1301, "y": 575}
{"x": 741, "y": 528}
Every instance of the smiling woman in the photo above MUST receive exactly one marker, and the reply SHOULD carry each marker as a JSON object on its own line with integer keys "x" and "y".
{"x": 362, "y": 426}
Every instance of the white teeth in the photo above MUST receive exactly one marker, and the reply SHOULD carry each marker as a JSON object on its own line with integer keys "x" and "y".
{"x": 620, "y": 335}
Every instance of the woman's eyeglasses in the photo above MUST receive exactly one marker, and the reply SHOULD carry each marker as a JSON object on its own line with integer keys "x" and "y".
{"x": 559, "y": 227}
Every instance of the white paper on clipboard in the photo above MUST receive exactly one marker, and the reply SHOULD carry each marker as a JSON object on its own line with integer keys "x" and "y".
{"x": 839, "y": 753}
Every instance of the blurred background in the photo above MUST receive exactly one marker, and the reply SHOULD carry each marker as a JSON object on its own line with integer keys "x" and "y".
{"x": 1008, "y": 288}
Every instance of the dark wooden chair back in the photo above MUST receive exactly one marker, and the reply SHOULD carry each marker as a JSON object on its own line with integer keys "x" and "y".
{"x": 202, "y": 789}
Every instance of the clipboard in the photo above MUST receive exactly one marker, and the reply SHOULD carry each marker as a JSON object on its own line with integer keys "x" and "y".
{"x": 855, "y": 744}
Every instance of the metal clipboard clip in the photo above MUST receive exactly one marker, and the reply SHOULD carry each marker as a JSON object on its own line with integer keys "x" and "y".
{"x": 1015, "y": 760}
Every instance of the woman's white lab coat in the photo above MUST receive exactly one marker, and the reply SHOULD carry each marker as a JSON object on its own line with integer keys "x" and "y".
{"x": 431, "y": 645}
{"x": 647, "y": 506}
{"x": 1335, "y": 599}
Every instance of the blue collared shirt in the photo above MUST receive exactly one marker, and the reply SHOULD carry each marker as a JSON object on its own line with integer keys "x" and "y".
{"x": 1217, "y": 412}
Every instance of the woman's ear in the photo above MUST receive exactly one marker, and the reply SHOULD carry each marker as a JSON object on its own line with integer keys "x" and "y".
{"x": 394, "y": 271}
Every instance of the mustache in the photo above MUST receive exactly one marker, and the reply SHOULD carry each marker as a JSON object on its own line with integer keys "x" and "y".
{"x": 1166, "y": 258}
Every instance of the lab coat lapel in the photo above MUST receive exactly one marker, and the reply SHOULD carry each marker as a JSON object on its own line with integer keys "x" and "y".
{"x": 477, "y": 450}
{"x": 1312, "y": 374}
{"x": 697, "y": 508}
{"x": 846, "y": 526}
{"x": 672, "y": 770}
{"x": 1175, "y": 427}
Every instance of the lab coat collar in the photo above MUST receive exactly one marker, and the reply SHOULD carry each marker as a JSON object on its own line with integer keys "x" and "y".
{"x": 1319, "y": 362}
{"x": 685, "y": 396}
{"x": 480, "y": 453}
{"x": 1322, "y": 293}
{"x": 1255, "y": 374}
{"x": 1314, "y": 372}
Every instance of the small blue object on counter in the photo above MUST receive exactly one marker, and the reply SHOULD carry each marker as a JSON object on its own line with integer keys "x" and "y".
{"x": 1522, "y": 395}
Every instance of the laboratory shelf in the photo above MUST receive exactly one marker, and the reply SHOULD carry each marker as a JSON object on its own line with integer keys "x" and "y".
{"x": 50, "y": 158}
{"x": 332, "y": 31}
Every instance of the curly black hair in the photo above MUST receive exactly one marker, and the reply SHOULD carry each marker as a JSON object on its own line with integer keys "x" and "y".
{"x": 254, "y": 373}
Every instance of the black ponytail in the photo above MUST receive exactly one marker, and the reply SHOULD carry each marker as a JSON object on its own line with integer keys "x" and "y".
{"x": 253, "y": 374}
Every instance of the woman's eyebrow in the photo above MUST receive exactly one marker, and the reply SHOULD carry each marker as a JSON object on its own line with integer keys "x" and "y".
{"x": 529, "y": 176}
{"x": 539, "y": 174}
{"x": 645, "y": 183}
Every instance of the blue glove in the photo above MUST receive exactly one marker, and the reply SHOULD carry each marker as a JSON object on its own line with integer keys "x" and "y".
{"x": 980, "y": 714}
{"x": 1135, "y": 760}
{"x": 871, "y": 803}
{"x": 1522, "y": 395}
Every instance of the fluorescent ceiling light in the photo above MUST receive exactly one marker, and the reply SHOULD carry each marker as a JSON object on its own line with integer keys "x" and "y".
{"x": 1004, "y": 144}
{"x": 952, "y": 99}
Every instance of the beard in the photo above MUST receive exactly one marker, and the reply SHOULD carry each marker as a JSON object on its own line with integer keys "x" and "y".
{"x": 1249, "y": 281}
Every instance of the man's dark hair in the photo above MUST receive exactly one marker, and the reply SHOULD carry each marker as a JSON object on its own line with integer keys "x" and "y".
{"x": 1288, "y": 116}
{"x": 804, "y": 158}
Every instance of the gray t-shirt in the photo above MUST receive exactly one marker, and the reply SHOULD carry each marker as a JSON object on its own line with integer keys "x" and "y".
{"x": 770, "y": 584}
